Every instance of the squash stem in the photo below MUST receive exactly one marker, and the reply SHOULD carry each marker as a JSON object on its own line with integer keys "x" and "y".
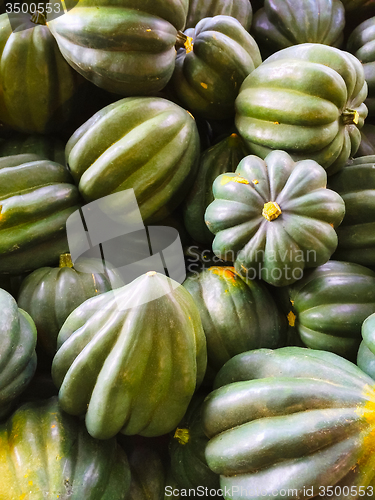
{"x": 350, "y": 117}
{"x": 38, "y": 18}
{"x": 184, "y": 42}
{"x": 65, "y": 260}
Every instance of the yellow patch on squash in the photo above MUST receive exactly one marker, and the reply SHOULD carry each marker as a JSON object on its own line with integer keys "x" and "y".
{"x": 235, "y": 178}
{"x": 182, "y": 435}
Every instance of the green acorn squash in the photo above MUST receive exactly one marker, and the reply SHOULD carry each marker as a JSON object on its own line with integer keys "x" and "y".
{"x": 306, "y": 100}
{"x": 125, "y": 47}
{"x": 331, "y": 303}
{"x": 237, "y": 315}
{"x": 361, "y": 44}
{"x": 148, "y": 144}
{"x": 222, "y": 157}
{"x": 356, "y": 185}
{"x": 17, "y": 351}
{"x": 239, "y": 9}
{"x": 46, "y": 453}
{"x": 290, "y": 22}
{"x": 39, "y": 92}
{"x": 366, "y": 351}
{"x": 130, "y": 359}
{"x": 50, "y": 294}
{"x": 291, "y": 423}
{"x": 274, "y": 217}
{"x": 36, "y": 198}
{"x": 214, "y": 60}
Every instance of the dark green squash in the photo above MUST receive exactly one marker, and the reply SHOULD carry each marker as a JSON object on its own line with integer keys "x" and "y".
{"x": 222, "y": 157}
{"x": 39, "y": 91}
{"x": 331, "y": 303}
{"x": 215, "y": 58}
{"x": 361, "y": 44}
{"x": 130, "y": 359}
{"x": 237, "y": 315}
{"x": 46, "y": 453}
{"x": 50, "y": 294}
{"x": 17, "y": 351}
{"x": 366, "y": 351}
{"x": 306, "y": 100}
{"x": 124, "y": 47}
{"x": 36, "y": 197}
{"x": 148, "y": 474}
{"x": 147, "y": 144}
{"x": 239, "y": 9}
{"x": 274, "y": 217}
{"x": 356, "y": 185}
{"x": 187, "y": 448}
{"x": 290, "y": 22}
{"x": 291, "y": 423}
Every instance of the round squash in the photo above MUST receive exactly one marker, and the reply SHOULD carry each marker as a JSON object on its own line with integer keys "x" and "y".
{"x": 239, "y": 9}
{"x": 331, "y": 303}
{"x": 36, "y": 197}
{"x": 237, "y": 315}
{"x": 356, "y": 185}
{"x": 366, "y": 351}
{"x": 46, "y": 453}
{"x": 148, "y": 144}
{"x": 222, "y": 157}
{"x": 130, "y": 359}
{"x": 306, "y": 100}
{"x": 291, "y": 423}
{"x": 290, "y": 22}
{"x": 214, "y": 60}
{"x": 361, "y": 44}
{"x": 17, "y": 351}
{"x": 39, "y": 92}
{"x": 125, "y": 47}
{"x": 274, "y": 217}
{"x": 50, "y": 294}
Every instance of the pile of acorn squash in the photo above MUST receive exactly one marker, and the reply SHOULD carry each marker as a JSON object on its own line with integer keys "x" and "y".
{"x": 248, "y": 128}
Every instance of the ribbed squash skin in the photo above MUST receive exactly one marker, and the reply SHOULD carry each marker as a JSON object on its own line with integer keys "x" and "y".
{"x": 39, "y": 91}
{"x": 50, "y": 294}
{"x": 148, "y": 474}
{"x": 366, "y": 351}
{"x": 36, "y": 197}
{"x": 17, "y": 351}
{"x": 187, "y": 447}
{"x": 290, "y": 22}
{"x": 50, "y": 148}
{"x": 131, "y": 361}
{"x": 207, "y": 78}
{"x": 367, "y": 146}
{"x": 361, "y": 44}
{"x": 356, "y": 185}
{"x": 331, "y": 304}
{"x": 124, "y": 47}
{"x": 292, "y": 418}
{"x": 148, "y": 144}
{"x": 222, "y": 157}
{"x": 239, "y": 9}
{"x": 299, "y": 100}
{"x": 300, "y": 236}
{"x": 46, "y": 453}
{"x": 237, "y": 315}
